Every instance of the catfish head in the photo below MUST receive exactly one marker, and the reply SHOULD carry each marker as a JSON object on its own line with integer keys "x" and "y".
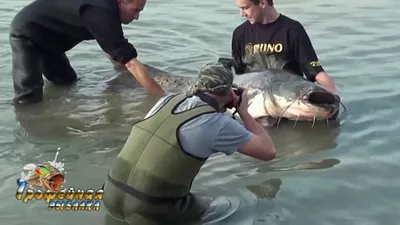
{"x": 275, "y": 94}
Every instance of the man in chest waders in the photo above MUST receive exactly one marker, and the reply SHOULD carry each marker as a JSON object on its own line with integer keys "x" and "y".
{"x": 42, "y": 32}
{"x": 152, "y": 176}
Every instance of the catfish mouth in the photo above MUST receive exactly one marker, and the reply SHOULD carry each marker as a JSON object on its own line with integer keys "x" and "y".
{"x": 322, "y": 98}
{"x": 326, "y": 100}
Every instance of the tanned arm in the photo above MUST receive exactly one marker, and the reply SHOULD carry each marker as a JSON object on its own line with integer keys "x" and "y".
{"x": 260, "y": 145}
{"x": 105, "y": 26}
{"x": 306, "y": 57}
{"x": 325, "y": 81}
{"x": 143, "y": 77}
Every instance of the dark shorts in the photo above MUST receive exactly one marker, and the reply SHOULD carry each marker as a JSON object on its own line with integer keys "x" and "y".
{"x": 30, "y": 62}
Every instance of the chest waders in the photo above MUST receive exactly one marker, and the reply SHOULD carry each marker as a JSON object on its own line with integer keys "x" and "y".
{"x": 152, "y": 175}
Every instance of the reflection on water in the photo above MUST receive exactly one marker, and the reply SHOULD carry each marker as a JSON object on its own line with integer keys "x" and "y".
{"x": 323, "y": 164}
{"x": 267, "y": 189}
{"x": 62, "y": 115}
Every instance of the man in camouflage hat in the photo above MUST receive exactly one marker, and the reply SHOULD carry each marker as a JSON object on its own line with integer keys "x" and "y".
{"x": 214, "y": 79}
{"x": 152, "y": 175}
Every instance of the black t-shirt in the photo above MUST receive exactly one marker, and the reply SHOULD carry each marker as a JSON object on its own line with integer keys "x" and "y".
{"x": 282, "y": 44}
{"x": 59, "y": 25}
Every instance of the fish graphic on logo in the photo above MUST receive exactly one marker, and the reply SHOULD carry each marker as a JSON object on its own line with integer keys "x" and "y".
{"x": 47, "y": 176}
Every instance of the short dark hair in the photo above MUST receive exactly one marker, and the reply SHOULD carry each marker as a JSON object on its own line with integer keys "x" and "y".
{"x": 270, "y": 2}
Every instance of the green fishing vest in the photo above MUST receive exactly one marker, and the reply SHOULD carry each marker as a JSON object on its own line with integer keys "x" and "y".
{"x": 152, "y": 161}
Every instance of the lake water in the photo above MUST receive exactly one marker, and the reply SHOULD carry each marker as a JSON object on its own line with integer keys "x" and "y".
{"x": 322, "y": 175}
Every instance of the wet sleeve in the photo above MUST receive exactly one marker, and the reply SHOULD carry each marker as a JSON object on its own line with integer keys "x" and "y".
{"x": 106, "y": 28}
{"x": 304, "y": 52}
{"x": 231, "y": 137}
{"x": 238, "y": 64}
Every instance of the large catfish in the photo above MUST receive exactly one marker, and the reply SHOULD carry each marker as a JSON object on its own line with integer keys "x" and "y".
{"x": 273, "y": 94}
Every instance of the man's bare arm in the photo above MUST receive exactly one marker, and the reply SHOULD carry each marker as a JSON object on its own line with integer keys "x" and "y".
{"x": 325, "y": 81}
{"x": 143, "y": 77}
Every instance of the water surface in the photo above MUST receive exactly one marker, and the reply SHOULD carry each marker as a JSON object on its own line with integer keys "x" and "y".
{"x": 355, "y": 181}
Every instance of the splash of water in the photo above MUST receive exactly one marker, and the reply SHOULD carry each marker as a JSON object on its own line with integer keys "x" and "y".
{"x": 58, "y": 165}
{"x": 26, "y": 176}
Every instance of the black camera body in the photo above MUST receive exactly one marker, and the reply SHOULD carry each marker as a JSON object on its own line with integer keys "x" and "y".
{"x": 238, "y": 92}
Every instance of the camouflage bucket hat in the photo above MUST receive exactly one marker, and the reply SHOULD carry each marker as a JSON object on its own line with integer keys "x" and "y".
{"x": 214, "y": 78}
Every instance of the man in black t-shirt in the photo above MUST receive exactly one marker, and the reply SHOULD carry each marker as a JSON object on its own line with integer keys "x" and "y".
{"x": 44, "y": 30}
{"x": 269, "y": 39}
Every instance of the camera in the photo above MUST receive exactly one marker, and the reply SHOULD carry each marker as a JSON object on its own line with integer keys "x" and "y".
{"x": 238, "y": 92}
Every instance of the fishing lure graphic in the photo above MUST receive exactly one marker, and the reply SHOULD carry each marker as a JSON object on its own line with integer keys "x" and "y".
{"x": 44, "y": 176}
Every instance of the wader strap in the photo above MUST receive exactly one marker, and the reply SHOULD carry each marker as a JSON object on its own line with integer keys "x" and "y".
{"x": 139, "y": 195}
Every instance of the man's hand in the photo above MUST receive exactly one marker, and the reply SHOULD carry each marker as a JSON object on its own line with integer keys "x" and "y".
{"x": 244, "y": 103}
{"x": 260, "y": 145}
{"x": 325, "y": 81}
{"x": 143, "y": 77}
